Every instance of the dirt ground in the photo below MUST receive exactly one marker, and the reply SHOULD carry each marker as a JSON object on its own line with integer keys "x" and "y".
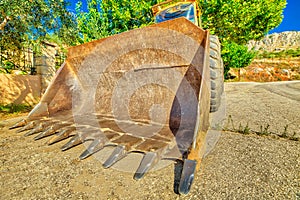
{"x": 239, "y": 167}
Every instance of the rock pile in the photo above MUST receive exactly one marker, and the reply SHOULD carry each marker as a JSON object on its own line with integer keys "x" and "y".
{"x": 265, "y": 70}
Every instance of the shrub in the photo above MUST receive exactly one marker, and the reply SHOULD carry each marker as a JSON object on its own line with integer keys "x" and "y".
{"x": 14, "y": 108}
{"x": 235, "y": 56}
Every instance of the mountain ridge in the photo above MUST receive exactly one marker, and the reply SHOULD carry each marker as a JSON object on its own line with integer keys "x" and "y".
{"x": 276, "y": 42}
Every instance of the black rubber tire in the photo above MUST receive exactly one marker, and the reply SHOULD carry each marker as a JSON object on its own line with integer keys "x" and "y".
{"x": 216, "y": 73}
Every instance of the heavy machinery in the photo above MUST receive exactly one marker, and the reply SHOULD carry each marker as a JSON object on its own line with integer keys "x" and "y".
{"x": 148, "y": 91}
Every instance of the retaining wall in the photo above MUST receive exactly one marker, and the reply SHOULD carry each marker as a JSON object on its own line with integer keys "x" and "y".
{"x": 20, "y": 89}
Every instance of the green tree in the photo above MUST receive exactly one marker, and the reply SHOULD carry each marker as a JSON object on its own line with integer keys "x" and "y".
{"x": 240, "y": 21}
{"x": 91, "y": 24}
{"x": 236, "y": 22}
{"x": 108, "y": 17}
{"x": 31, "y": 21}
{"x": 236, "y": 56}
{"x": 128, "y": 14}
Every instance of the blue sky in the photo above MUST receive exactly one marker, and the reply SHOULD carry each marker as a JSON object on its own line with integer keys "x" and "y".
{"x": 291, "y": 20}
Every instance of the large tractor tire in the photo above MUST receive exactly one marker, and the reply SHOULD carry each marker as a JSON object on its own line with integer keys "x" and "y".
{"x": 216, "y": 73}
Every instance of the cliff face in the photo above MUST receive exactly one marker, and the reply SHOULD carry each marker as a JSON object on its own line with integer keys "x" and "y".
{"x": 277, "y": 42}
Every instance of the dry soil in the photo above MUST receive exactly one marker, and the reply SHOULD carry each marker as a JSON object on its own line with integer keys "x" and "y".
{"x": 239, "y": 167}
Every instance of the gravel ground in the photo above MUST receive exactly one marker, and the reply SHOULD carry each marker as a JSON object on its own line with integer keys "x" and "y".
{"x": 273, "y": 106}
{"x": 239, "y": 167}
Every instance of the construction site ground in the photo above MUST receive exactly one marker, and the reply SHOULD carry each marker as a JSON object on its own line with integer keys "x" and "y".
{"x": 264, "y": 164}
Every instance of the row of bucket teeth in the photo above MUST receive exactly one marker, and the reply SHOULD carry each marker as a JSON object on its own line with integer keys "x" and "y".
{"x": 61, "y": 130}
{"x": 42, "y": 125}
{"x": 51, "y": 130}
{"x": 28, "y": 126}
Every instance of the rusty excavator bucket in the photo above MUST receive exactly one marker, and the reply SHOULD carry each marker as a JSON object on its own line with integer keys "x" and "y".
{"x": 145, "y": 90}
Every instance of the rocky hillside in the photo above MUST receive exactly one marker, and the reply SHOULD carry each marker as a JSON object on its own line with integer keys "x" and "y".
{"x": 278, "y": 59}
{"x": 277, "y": 42}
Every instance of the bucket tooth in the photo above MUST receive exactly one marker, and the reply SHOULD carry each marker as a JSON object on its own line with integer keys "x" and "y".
{"x": 148, "y": 161}
{"x": 34, "y": 131}
{"x": 50, "y": 131}
{"x": 42, "y": 126}
{"x": 62, "y": 135}
{"x": 28, "y": 126}
{"x": 95, "y": 146}
{"x": 187, "y": 176}
{"x": 24, "y": 128}
{"x": 46, "y": 133}
{"x": 118, "y": 153}
{"x": 18, "y": 124}
{"x": 73, "y": 142}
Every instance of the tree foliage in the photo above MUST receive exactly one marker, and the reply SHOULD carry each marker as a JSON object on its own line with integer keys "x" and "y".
{"x": 31, "y": 21}
{"x": 240, "y": 21}
{"x": 236, "y": 56}
{"x": 91, "y": 24}
{"x": 128, "y": 14}
{"x": 108, "y": 17}
{"x": 236, "y": 22}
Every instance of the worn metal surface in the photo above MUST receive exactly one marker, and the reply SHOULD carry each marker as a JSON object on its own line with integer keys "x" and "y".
{"x": 145, "y": 90}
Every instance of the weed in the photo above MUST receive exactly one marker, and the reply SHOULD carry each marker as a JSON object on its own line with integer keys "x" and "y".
{"x": 296, "y": 77}
{"x": 230, "y": 121}
{"x": 297, "y": 196}
{"x": 244, "y": 130}
{"x": 294, "y": 137}
{"x": 264, "y": 130}
{"x": 285, "y": 132}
